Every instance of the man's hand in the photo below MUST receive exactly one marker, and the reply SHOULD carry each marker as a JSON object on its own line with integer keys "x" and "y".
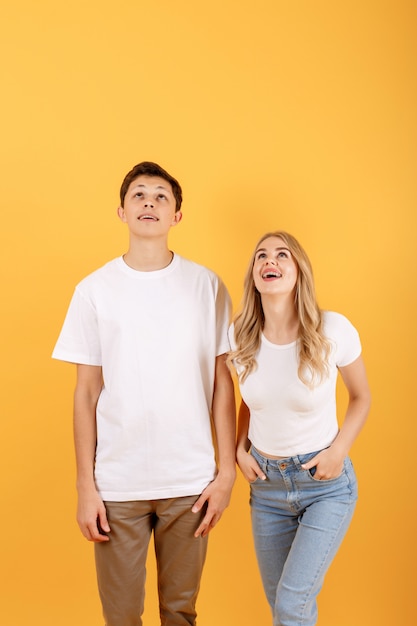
{"x": 217, "y": 495}
{"x": 92, "y": 517}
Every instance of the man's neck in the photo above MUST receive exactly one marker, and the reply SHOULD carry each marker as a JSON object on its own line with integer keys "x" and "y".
{"x": 148, "y": 256}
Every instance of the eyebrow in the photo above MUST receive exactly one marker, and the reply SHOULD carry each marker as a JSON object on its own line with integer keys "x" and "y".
{"x": 157, "y": 187}
{"x": 275, "y": 250}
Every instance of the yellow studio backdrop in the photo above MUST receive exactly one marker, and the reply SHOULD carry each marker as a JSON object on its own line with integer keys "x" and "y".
{"x": 297, "y": 115}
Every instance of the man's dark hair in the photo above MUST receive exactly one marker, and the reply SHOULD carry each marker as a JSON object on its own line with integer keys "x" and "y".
{"x": 147, "y": 168}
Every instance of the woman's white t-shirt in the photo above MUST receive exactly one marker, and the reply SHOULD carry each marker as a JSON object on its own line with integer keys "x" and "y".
{"x": 156, "y": 336}
{"x": 288, "y": 418}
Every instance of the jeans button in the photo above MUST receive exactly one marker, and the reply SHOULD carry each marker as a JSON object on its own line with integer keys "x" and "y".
{"x": 283, "y": 466}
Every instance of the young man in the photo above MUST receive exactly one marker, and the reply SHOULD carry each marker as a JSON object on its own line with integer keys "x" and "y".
{"x": 148, "y": 332}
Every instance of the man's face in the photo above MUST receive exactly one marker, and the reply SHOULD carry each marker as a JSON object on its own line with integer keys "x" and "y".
{"x": 149, "y": 207}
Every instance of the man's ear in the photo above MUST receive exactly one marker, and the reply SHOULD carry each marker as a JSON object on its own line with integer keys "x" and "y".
{"x": 177, "y": 218}
{"x": 121, "y": 213}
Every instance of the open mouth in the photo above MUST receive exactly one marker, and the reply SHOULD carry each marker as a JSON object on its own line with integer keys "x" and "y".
{"x": 270, "y": 274}
{"x": 152, "y": 218}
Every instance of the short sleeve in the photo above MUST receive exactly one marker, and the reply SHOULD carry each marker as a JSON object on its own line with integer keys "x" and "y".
{"x": 223, "y": 314}
{"x": 79, "y": 340}
{"x": 344, "y": 336}
{"x": 231, "y": 334}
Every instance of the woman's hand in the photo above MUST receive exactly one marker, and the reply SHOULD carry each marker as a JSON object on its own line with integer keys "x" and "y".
{"x": 248, "y": 466}
{"x": 328, "y": 464}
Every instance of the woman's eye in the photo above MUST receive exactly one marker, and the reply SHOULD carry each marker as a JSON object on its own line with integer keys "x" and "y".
{"x": 283, "y": 255}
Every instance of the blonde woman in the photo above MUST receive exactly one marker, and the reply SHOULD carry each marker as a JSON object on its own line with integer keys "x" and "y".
{"x": 287, "y": 353}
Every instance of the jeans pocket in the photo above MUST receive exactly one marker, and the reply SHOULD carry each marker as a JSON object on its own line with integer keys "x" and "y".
{"x": 311, "y": 473}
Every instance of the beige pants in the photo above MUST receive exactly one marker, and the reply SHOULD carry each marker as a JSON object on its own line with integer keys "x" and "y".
{"x": 121, "y": 562}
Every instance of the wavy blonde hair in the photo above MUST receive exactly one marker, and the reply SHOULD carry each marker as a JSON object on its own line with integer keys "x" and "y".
{"x": 313, "y": 346}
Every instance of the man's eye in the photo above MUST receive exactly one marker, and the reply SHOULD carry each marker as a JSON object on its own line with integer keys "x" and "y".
{"x": 161, "y": 195}
{"x": 138, "y": 194}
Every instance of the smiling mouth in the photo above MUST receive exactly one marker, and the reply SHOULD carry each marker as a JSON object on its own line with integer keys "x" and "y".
{"x": 271, "y": 275}
{"x": 152, "y": 218}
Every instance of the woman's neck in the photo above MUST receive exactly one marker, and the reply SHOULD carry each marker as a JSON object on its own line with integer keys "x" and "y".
{"x": 281, "y": 321}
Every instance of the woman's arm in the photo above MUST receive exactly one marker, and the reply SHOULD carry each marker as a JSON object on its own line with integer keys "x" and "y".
{"x": 329, "y": 462}
{"x": 247, "y": 464}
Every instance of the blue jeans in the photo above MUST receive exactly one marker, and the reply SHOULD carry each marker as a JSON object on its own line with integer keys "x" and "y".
{"x": 298, "y": 525}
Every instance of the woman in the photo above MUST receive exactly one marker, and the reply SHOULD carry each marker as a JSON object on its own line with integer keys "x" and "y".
{"x": 287, "y": 354}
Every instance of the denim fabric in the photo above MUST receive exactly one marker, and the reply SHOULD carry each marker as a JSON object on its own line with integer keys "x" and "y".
{"x": 298, "y": 525}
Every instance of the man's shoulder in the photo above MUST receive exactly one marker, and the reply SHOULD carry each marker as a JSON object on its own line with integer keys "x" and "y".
{"x": 197, "y": 268}
{"x": 97, "y": 275}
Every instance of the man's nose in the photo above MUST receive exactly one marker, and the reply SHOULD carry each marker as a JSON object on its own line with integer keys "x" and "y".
{"x": 148, "y": 203}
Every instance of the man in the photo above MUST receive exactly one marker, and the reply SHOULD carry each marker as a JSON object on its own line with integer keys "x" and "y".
{"x": 148, "y": 332}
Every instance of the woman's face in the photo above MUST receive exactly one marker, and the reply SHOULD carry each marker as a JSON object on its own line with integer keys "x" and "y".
{"x": 274, "y": 269}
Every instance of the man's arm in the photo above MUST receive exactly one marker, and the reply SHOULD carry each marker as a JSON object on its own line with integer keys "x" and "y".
{"x": 217, "y": 493}
{"x": 91, "y": 512}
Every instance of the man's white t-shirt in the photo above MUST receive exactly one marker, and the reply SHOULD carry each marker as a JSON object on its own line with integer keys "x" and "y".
{"x": 288, "y": 418}
{"x": 156, "y": 336}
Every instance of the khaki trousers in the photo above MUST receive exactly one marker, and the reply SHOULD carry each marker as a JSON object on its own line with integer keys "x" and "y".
{"x": 121, "y": 562}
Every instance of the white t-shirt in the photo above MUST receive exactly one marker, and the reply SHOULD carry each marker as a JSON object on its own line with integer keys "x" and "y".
{"x": 156, "y": 336}
{"x": 288, "y": 418}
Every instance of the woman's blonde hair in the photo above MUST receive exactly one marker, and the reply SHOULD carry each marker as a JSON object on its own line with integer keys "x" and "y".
{"x": 313, "y": 347}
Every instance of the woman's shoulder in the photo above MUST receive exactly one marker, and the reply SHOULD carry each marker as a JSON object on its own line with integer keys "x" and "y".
{"x": 334, "y": 317}
{"x": 343, "y": 336}
{"x": 335, "y": 323}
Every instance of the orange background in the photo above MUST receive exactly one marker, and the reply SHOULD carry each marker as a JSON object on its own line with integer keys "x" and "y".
{"x": 295, "y": 115}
